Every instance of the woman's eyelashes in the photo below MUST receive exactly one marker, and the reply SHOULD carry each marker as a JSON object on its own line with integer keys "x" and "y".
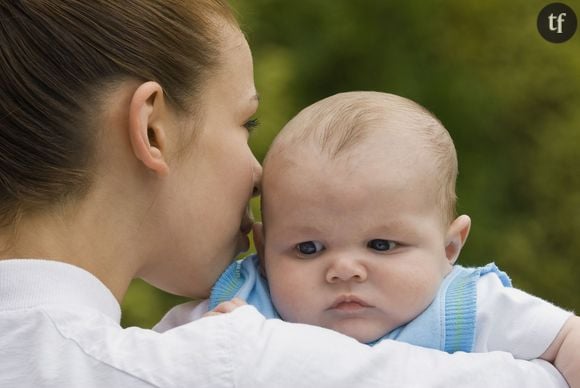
{"x": 251, "y": 124}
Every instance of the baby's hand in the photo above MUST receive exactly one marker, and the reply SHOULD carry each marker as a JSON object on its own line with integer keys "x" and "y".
{"x": 569, "y": 362}
{"x": 564, "y": 354}
{"x": 226, "y": 307}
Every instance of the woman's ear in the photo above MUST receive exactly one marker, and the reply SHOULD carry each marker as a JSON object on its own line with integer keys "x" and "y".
{"x": 455, "y": 238}
{"x": 148, "y": 116}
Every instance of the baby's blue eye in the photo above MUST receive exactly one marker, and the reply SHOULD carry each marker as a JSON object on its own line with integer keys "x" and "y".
{"x": 309, "y": 247}
{"x": 381, "y": 245}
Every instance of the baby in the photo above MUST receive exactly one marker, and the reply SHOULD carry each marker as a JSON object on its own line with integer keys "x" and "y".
{"x": 360, "y": 236}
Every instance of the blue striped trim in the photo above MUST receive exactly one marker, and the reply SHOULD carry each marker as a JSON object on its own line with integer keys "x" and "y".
{"x": 460, "y": 312}
{"x": 492, "y": 268}
{"x": 227, "y": 286}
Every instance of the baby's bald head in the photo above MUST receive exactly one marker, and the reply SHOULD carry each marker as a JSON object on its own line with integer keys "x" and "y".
{"x": 355, "y": 125}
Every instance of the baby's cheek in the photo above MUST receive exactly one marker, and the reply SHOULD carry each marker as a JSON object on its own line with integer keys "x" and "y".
{"x": 426, "y": 292}
{"x": 288, "y": 299}
{"x": 294, "y": 288}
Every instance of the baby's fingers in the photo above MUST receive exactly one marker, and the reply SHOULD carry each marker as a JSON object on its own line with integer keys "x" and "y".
{"x": 226, "y": 307}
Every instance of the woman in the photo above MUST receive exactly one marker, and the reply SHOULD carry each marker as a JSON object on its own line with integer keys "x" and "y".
{"x": 123, "y": 154}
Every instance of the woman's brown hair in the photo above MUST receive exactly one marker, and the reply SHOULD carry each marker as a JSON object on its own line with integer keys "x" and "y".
{"x": 55, "y": 55}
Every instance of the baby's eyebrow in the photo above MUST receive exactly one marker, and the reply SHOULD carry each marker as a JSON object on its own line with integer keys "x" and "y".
{"x": 305, "y": 230}
{"x": 401, "y": 226}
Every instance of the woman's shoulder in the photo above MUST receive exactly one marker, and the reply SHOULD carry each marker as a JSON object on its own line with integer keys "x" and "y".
{"x": 182, "y": 314}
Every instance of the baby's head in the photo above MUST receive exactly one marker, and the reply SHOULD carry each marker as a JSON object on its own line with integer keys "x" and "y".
{"x": 353, "y": 126}
{"x": 359, "y": 213}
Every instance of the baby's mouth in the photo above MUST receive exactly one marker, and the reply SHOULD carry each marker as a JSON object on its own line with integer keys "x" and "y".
{"x": 349, "y": 303}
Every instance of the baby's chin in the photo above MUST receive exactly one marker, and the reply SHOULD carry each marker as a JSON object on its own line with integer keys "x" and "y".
{"x": 361, "y": 331}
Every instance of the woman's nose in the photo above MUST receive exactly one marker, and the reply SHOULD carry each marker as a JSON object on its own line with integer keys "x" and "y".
{"x": 346, "y": 269}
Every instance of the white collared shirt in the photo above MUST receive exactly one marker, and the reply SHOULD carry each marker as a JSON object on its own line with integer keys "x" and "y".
{"x": 59, "y": 327}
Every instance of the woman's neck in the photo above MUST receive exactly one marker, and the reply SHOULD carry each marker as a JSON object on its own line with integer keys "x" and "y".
{"x": 86, "y": 239}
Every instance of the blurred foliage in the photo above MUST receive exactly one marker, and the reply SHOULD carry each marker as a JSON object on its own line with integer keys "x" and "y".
{"x": 509, "y": 98}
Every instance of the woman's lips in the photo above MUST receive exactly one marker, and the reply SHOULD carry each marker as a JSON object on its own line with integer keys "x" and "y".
{"x": 245, "y": 229}
{"x": 247, "y": 222}
{"x": 246, "y": 226}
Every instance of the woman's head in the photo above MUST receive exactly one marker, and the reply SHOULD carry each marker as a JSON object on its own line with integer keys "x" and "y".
{"x": 59, "y": 60}
{"x": 128, "y": 119}
{"x": 202, "y": 202}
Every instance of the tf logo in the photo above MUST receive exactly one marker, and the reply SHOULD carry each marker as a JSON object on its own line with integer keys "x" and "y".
{"x": 557, "y": 22}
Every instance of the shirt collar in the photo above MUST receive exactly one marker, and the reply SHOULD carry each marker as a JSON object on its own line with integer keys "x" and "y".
{"x": 26, "y": 283}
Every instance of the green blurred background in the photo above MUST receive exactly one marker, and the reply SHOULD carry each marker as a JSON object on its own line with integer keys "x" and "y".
{"x": 510, "y": 100}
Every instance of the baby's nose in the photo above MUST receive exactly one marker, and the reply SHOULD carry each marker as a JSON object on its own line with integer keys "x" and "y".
{"x": 346, "y": 269}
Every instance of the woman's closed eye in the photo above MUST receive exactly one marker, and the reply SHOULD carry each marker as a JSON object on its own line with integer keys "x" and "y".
{"x": 251, "y": 124}
{"x": 382, "y": 245}
{"x": 309, "y": 248}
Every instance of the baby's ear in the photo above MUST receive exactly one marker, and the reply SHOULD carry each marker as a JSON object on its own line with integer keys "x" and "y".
{"x": 455, "y": 238}
{"x": 258, "y": 232}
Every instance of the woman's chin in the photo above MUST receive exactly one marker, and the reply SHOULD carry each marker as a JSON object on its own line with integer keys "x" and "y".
{"x": 243, "y": 244}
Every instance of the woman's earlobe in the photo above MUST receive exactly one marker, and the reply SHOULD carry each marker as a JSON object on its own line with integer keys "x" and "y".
{"x": 156, "y": 146}
{"x": 147, "y": 117}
